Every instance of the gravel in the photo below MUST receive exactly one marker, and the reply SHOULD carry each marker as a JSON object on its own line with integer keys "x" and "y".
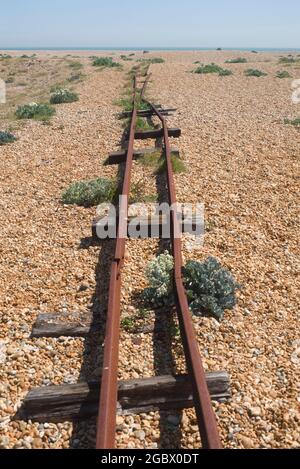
{"x": 243, "y": 165}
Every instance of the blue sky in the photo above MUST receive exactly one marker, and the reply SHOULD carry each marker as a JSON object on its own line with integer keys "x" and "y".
{"x": 156, "y": 23}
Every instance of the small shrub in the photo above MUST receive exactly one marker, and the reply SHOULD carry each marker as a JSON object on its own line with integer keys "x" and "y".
{"x": 210, "y": 288}
{"x": 251, "y": 72}
{"x": 225, "y": 72}
{"x": 254, "y": 52}
{"x": 6, "y": 137}
{"x": 76, "y": 65}
{"x": 283, "y": 74}
{"x": 76, "y": 77}
{"x": 156, "y": 60}
{"x": 159, "y": 274}
{"x": 178, "y": 165}
{"x": 128, "y": 324}
{"x": 211, "y": 68}
{"x": 35, "y": 111}
{"x": 238, "y": 60}
{"x": 89, "y": 193}
{"x": 287, "y": 60}
{"x": 9, "y": 80}
{"x": 295, "y": 122}
{"x": 62, "y": 95}
{"x": 105, "y": 62}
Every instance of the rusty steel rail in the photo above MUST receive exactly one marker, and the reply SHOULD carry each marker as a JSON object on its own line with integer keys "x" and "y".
{"x": 106, "y": 423}
{"x": 205, "y": 414}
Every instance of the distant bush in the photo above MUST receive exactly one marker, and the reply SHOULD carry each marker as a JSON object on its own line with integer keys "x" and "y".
{"x": 211, "y": 68}
{"x": 288, "y": 60}
{"x": 156, "y": 60}
{"x": 76, "y": 77}
{"x": 225, "y": 72}
{"x": 105, "y": 62}
{"x": 5, "y": 56}
{"x": 295, "y": 122}
{"x": 62, "y": 95}
{"x": 210, "y": 287}
{"x": 254, "y": 52}
{"x": 251, "y": 72}
{"x": 283, "y": 74}
{"x": 76, "y": 65}
{"x": 35, "y": 111}
{"x": 89, "y": 193}
{"x": 9, "y": 80}
{"x": 6, "y": 137}
{"x": 238, "y": 60}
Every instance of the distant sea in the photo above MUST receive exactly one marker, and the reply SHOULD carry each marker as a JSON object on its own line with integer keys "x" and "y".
{"x": 259, "y": 49}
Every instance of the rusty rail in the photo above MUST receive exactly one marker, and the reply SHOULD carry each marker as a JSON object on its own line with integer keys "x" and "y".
{"x": 106, "y": 424}
{"x": 205, "y": 414}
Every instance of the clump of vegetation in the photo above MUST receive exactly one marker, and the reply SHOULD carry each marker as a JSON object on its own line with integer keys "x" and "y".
{"x": 6, "y": 137}
{"x": 254, "y": 52}
{"x": 159, "y": 274}
{"x": 76, "y": 77}
{"x": 105, "y": 62}
{"x": 9, "y": 80}
{"x": 63, "y": 95}
{"x": 252, "y": 72}
{"x": 238, "y": 60}
{"x": 212, "y": 68}
{"x": 225, "y": 72}
{"x": 126, "y": 58}
{"x": 178, "y": 165}
{"x": 76, "y": 65}
{"x": 283, "y": 74}
{"x": 90, "y": 193}
{"x": 211, "y": 289}
{"x": 156, "y": 60}
{"x": 295, "y": 122}
{"x": 288, "y": 60}
{"x": 128, "y": 324}
{"x": 127, "y": 104}
{"x": 5, "y": 56}
{"x": 35, "y": 111}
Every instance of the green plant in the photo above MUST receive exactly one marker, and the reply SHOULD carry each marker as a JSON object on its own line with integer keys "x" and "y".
{"x": 62, "y": 95}
{"x": 211, "y": 288}
{"x": 156, "y": 60}
{"x": 251, "y": 72}
{"x": 288, "y": 60}
{"x": 6, "y": 137}
{"x": 225, "y": 72}
{"x": 150, "y": 159}
{"x": 128, "y": 324}
{"x": 283, "y": 74}
{"x": 90, "y": 193}
{"x": 35, "y": 111}
{"x": 210, "y": 68}
{"x": 295, "y": 122}
{"x": 178, "y": 165}
{"x": 76, "y": 65}
{"x": 238, "y": 60}
{"x": 105, "y": 62}
{"x": 159, "y": 274}
{"x": 76, "y": 77}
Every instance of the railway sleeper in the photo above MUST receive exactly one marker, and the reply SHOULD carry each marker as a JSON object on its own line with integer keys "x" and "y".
{"x": 80, "y": 401}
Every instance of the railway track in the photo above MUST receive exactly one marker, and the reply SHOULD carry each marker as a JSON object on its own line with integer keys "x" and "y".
{"x": 106, "y": 426}
{"x": 107, "y": 398}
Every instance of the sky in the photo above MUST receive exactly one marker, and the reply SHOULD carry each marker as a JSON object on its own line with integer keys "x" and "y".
{"x": 152, "y": 23}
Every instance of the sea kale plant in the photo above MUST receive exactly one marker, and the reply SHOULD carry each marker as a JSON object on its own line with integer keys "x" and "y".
{"x": 89, "y": 193}
{"x": 63, "y": 95}
{"x": 159, "y": 275}
{"x": 35, "y": 111}
{"x": 210, "y": 287}
{"x": 6, "y": 137}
